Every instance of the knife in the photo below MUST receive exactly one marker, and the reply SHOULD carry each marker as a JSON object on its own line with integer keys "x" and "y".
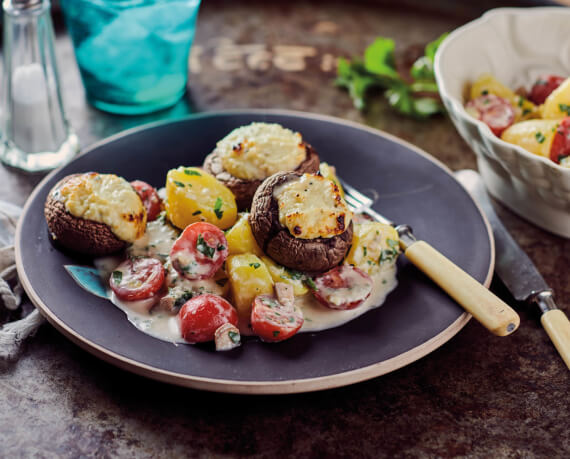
{"x": 517, "y": 271}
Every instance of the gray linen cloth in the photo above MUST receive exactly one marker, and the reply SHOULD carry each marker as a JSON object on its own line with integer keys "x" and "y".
{"x": 12, "y": 334}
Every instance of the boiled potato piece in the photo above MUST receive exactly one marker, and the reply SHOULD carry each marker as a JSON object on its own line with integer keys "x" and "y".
{"x": 488, "y": 84}
{"x": 557, "y": 104}
{"x": 248, "y": 277}
{"x": 193, "y": 195}
{"x": 533, "y": 135}
{"x": 375, "y": 247}
{"x": 240, "y": 238}
{"x": 281, "y": 274}
{"x": 329, "y": 172}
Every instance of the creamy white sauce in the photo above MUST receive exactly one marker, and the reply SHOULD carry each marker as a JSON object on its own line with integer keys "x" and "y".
{"x": 156, "y": 242}
{"x": 146, "y": 316}
{"x": 318, "y": 317}
{"x": 157, "y": 323}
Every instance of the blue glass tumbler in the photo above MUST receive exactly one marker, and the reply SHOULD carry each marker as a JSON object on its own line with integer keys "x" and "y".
{"x": 132, "y": 54}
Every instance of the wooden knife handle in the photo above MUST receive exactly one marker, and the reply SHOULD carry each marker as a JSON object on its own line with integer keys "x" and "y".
{"x": 488, "y": 309}
{"x": 557, "y": 326}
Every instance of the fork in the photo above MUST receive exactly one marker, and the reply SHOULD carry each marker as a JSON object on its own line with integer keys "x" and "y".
{"x": 475, "y": 298}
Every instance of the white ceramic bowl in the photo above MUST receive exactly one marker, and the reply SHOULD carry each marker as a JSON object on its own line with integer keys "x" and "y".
{"x": 516, "y": 45}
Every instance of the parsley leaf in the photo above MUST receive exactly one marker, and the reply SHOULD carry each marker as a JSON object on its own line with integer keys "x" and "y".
{"x": 204, "y": 248}
{"x": 539, "y": 137}
{"x": 378, "y": 70}
{"x": 180, "y": 184}
{"x": 192, "y": 172}
{"x": 311, "y": 284}
{"x": 255, "y": 265}
{"x": 379, "y": 58}
{"x": 234, "y": 336}
{"x": 218, "y": 208}
{"x": 564, "y": 108}
{"x": 117, "y": 277}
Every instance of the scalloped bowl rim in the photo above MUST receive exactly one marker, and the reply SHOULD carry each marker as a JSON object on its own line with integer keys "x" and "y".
{"x": 459, "y": 106}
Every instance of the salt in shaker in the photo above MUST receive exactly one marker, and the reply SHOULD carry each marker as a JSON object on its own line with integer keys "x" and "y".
{"x": 35, "y": 133}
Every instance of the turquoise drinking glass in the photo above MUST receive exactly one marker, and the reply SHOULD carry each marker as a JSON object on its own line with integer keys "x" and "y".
{"x": 132, "y": 54}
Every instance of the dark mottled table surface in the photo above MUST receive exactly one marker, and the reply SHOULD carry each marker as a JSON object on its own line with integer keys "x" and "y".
{"x": 478, "y": 395}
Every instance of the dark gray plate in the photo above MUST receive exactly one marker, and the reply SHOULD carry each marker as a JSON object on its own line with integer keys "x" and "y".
{"x": 416, "y": 318}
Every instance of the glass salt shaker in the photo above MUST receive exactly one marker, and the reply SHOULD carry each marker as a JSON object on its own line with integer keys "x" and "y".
{"x": 35, "y": 133}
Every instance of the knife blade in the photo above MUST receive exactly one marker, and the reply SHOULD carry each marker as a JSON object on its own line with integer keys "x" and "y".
{"x": 518, "y": 272}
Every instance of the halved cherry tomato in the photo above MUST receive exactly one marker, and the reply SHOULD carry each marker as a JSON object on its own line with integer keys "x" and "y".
{"x": 199, "y": 251}
{"x": 137, "y": 279}
{"x": 343, "y": 287}
{"x": 561, "y": 142}
{"x": 494, "y": 111}
{"x": 149, "y": 197}
{"x": 202, "y": 315}
{"x": 273, "y": 321}
{"x": 542, "y": 88}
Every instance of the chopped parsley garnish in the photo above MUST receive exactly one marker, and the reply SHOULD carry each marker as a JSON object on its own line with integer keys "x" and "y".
{"x": 191, "y": 172}
{"x": 295, "y": 275}
{"x": 188, "y": 294}
{"x": 220, "y": 247}
{"x": 188, "y": 268}
{"x": 276, "y": 333}
{"x": 364, "y": 251}
{"x": 564, "y": 108}
{"x": 204, "y": 248}
{"x": 198, "y": 212}
{"x": 526, "y": 111}
{"x": 484, "y": 92}
{"x": 311, "y": 284}
{"x": 520, "y": 102}
{"x": 392, "y": 243}
{"x": 388, "y": 255}
{"x": 180, "y": 184}
{"x": 234, "y": 336}
{"x": 255, "y": 265}
{"x": 539, "y": 137}
{"x": 218, "y": 208}
{"x": 117, "y": 277}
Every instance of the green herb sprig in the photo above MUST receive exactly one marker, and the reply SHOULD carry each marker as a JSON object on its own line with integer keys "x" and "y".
{"x": 418, "y": 99}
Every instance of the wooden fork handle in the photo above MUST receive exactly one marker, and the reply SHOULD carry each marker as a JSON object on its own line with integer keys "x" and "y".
{"x": 487, "y": 308}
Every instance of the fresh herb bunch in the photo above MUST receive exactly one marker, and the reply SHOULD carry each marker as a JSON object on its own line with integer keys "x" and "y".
{"x": 418, "y": 99}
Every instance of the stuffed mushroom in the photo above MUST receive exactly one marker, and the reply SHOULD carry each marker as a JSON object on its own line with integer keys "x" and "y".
{"x": 94, "y": 214}
{"x": 301, "y": 221}
{"x": 250, "y": 154}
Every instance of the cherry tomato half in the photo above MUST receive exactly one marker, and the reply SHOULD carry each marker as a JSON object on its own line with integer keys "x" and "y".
{"x": 137, "y": 279}
{"x": 542, "y": 88}
{"x": 494, "y": 111}
{"x": 149, "y": 197}
{"x": 202, "y": 315}
{"x": 561, "y": 142}
{"x": 343, "y": 287}
{"x": 272, "y": 321}
{"x": 199, "y": 251}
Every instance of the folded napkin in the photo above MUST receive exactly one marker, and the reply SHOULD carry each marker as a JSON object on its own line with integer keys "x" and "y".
{"x": 18, "y": 328}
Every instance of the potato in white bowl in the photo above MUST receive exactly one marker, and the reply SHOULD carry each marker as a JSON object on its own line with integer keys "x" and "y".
{"x": 516, "y": 45}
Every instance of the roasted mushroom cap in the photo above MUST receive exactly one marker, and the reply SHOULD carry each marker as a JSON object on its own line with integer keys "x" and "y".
{"x": 244, "y": 190}
{"x": 311, "y": 255}
{"x": 78, "y": 234}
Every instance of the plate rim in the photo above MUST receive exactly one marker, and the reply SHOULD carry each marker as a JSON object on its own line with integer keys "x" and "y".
{"x": 238, "y": 386}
